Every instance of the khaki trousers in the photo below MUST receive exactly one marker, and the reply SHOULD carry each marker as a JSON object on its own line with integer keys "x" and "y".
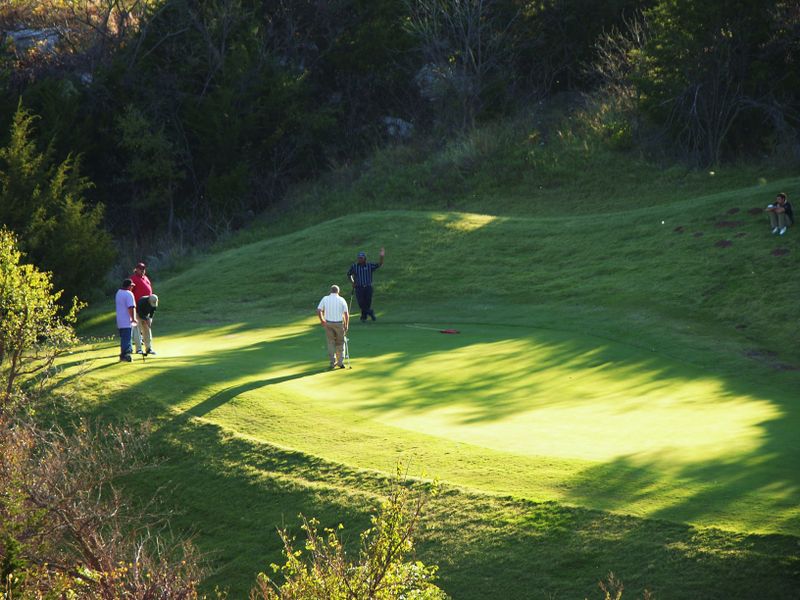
{"x": 334, "y": 332}
{"x": 144, "y": 332}
{"x": 779, "y": 220}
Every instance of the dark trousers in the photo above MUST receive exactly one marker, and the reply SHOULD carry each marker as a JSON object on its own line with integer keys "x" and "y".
{"x": 364, "y": 297}
{"x": 125, "y": 341}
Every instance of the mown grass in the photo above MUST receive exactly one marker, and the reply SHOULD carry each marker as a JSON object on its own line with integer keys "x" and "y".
{"x": 622, "y": 395}
{"x": 535, "y": 165}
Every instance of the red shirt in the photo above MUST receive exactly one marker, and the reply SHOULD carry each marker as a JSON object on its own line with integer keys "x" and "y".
{"x": 143, "y": 286}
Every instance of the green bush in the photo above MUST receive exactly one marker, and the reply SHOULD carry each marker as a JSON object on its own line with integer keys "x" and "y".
{"x": 383, "y": 570}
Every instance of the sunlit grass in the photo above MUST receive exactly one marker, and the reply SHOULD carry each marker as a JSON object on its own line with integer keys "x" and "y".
{"x": 550, "y": 406}
{"x": 525, "y": 397}
{"x": 610, "y": 358}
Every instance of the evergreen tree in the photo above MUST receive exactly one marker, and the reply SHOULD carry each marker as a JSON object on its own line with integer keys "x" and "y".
{"x": 43, "y": 202}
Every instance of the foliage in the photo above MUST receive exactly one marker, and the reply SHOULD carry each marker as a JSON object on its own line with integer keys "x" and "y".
{"x": 151, "y": 170}
{"x": 43, "y": 202}
{"x": 190, "y": 118}
{"x": 33, "y": 332}
{"x": 554, "y": 40}
{"x": 67, "y": 531}
{"x": 463, "y": 50}
{"x": 79, "y": 35}
{"x": 382, "y": 570}
{"x": 613, "y": 588}
{"x": 714, "y": 75}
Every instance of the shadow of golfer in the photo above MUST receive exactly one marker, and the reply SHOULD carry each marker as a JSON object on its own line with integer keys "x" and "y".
{"x": 228, "y": 394}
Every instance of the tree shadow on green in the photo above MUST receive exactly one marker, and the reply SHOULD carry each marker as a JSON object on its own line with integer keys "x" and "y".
{"x": 231, "y": 497}
{"x": 551, "y": 550}
{"x": 490, "y": 398}
{"x": 766, "y": 474}
{"x": 486, "y": 546}
{"x": 218, "y": 399}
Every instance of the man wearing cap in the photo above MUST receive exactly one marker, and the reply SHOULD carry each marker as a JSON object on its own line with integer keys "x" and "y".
{"x": 335, "y": 318}
{"x": 360, "y": 275}
{"x": 146, "y": 307}
{"x": 126, "y": 318}
{"x": 142, "y": 288}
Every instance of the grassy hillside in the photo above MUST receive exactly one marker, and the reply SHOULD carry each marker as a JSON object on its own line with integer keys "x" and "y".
{"x": 621, "y": 395}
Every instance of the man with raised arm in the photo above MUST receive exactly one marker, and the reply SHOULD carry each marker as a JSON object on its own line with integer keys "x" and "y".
{"x": 360, "y": 275}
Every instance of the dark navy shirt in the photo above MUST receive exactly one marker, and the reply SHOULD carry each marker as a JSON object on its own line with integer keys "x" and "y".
{"x": 144, "y": 309}
{"x": 362, "y": 274}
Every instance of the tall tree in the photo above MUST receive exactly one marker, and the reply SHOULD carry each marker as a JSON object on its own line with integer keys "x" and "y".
{"x": 43, "y": 201}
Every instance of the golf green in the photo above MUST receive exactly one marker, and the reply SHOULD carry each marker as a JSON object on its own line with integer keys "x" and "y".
{"x": 537, "y": 412}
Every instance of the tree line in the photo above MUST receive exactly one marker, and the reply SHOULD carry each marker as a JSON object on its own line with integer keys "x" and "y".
{"x": 185, "y": 118}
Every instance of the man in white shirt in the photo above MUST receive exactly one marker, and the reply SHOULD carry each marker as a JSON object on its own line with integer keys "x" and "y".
{"x": 335, "y": 318}
{"x": 126, "y": 318}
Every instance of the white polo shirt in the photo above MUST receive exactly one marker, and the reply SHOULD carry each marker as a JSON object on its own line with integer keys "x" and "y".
{"x": 124, "y": 300}
{"x": 333, "y": 307}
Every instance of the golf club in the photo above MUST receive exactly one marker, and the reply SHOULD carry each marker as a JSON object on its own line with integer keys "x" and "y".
{"x": 347, "y": 352}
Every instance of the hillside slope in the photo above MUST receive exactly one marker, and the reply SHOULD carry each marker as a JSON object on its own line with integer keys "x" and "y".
{"x": 629, "y": 361}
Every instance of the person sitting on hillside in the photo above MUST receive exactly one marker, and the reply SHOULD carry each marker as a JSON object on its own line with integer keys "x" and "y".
{"x": 780, "y": 214}
{"x": 145, "y": 308}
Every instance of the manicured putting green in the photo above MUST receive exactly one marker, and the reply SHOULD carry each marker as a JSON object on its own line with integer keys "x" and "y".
{"x": 541, "y": 413}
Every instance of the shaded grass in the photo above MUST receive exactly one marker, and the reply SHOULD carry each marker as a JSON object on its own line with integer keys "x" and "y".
{"x": 535, "y": 165}
{"x": 542, "y": 413}
{"x": 615, "y": 378}
{"x": 487, "y": 546}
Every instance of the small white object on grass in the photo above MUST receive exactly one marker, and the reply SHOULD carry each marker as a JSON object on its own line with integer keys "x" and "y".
{"x": 662, "y": 222}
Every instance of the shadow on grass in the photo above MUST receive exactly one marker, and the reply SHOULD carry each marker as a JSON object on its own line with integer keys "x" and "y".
{"x": 730, "y": 492}
{"x": 393, "y": 380}
{"x": 218, "y": 399}
{"x": 547, "y": 550}
{"x": 486, "y": 546}
{"x": 232, "y": 497}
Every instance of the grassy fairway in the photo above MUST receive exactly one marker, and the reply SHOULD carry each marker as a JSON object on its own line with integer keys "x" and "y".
{"x": 543, "y": 414}
{"x": 621, "y": 395}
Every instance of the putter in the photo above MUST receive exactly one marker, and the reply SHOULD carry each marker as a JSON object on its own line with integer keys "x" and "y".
{"x": 347, "y": 352}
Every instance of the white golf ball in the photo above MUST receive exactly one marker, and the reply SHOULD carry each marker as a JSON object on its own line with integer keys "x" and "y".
{"x": 662, "y": 222}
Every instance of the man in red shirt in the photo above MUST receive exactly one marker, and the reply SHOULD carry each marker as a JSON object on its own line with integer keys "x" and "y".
{"x": 143, "y": 288}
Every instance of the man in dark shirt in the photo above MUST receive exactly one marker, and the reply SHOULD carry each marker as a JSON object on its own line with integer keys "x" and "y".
{"x": 146, "y": 308}
{"x": 780, "y": 214}
{"x": 360, "y": 275}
